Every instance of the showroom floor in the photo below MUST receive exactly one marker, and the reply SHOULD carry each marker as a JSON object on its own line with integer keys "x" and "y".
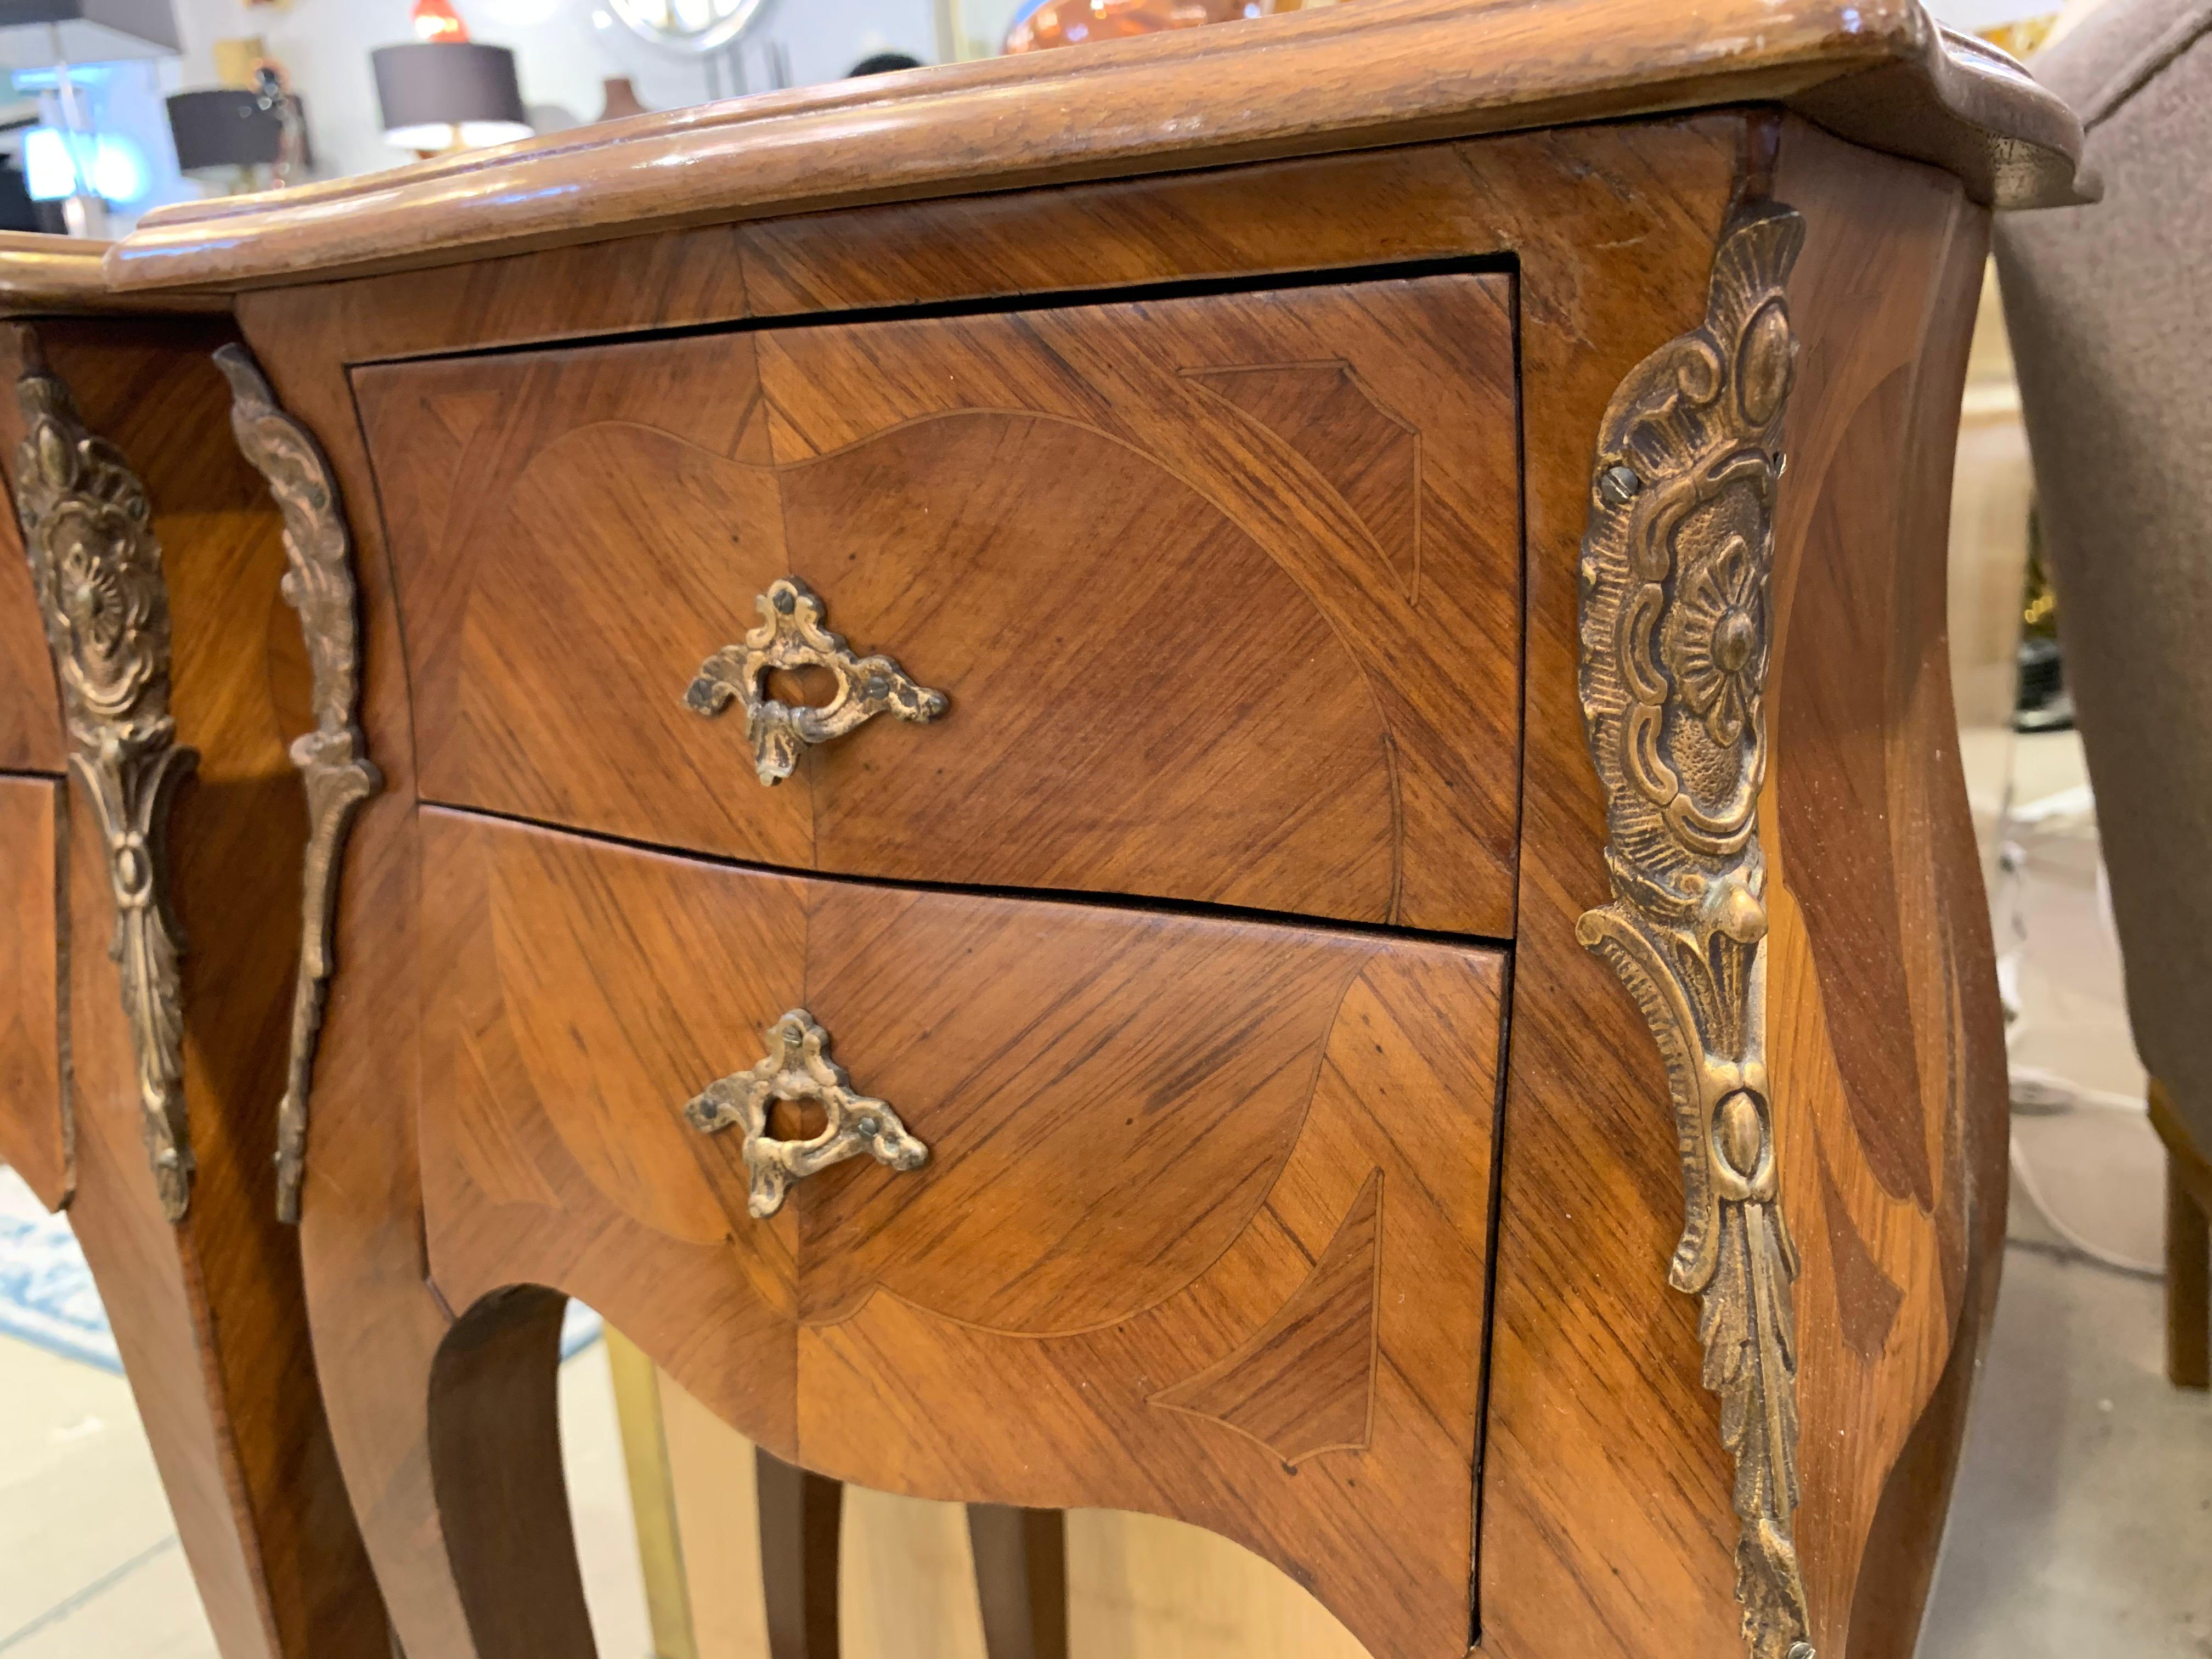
{"x": 2085, "y": 1504}
{"x": 2084, "y": 1509}
{"x": 89, "y": 1563}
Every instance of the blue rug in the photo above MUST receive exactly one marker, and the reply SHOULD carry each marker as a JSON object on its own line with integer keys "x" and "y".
{"x": 47, "y": 1297}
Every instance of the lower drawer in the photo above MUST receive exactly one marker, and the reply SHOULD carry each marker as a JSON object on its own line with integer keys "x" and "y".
{"x": 1201, "y": 1230}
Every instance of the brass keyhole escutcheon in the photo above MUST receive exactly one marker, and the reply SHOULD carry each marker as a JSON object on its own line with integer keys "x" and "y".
{"x": 792, "y": 635}
{"x": 797, "y": 1067}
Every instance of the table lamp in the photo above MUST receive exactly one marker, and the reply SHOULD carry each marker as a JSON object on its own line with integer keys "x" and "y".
{"x": 448, "y": 95}
{"x": 40, "y": 34}
{"x": 229, "y": 134}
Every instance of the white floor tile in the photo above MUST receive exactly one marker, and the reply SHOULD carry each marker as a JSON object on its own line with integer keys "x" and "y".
{"x": 79, "y": 1496}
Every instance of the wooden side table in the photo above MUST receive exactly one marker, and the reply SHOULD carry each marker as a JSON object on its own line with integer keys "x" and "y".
{"x": 1028, "y": 720}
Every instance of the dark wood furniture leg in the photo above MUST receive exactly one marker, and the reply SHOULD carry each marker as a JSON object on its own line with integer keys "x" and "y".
{"x": 2188, "y": 1249}
{"x": 800, "y": 1518}
{"x": 2188, "y": 1283}
{"x": 494, "y": 1445}
{"x": 1021, "y": 1579}
{"x": 450, "y": 1433}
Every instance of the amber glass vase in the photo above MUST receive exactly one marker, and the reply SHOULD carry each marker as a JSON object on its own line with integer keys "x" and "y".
{"x": 1073, "y": 23}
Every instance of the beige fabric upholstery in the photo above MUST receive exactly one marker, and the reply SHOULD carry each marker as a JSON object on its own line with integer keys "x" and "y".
{"x": 2110, "y": 308}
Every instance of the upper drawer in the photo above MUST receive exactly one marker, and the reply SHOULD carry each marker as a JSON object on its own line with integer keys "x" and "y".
{"x": 1222, "y": 591}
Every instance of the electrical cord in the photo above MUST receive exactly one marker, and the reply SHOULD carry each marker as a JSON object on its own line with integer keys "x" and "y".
{"x": 2035, "y": 1092}
{"x": 2090, "y": 1253}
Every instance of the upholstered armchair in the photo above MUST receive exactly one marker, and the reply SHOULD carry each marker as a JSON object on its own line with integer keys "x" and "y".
{"x": 2106, "y": 308}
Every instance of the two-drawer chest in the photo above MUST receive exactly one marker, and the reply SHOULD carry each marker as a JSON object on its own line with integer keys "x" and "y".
{"x": 1212, "y": 777}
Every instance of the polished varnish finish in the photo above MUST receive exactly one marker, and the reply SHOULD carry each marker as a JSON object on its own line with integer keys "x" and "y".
{"x": 1222, "y": 591}
{"x": 1907, "y": 1152}
{"x": 1313, "y": 83}
{"x": 65, "y": 276}
{"x": 1292, "y": 1166}
{"x": 208, "y": 1313}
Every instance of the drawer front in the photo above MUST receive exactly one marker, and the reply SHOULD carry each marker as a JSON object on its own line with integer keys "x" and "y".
{"x": 1202, "y": 1229}
{"x": 1222, "y": 591}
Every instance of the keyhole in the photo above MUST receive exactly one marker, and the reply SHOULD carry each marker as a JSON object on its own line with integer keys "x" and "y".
{"x": 805, "y": 687}
{"x": 796, "y": 1120}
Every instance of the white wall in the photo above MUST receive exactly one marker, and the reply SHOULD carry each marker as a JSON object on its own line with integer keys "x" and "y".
{"x": 561, "y": 55}
{"x": 1975, "y": 15}
{"x": 980, "y": 26}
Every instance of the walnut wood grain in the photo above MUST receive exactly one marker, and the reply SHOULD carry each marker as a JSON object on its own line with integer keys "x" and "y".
{"x": 30, "y": 704}
{"x": 360, "y": 1222}
{"x": 209, "y": 1315}
{"x": 1891, "y": 919}
{"x": 1243, "y": 91}
{"x": 362, "y": 1226}
{"x": 1301, "y": 1384}
{"x": 1221, "y": 590}
{"x": 364, "y": 1215}
{"x": 1903, "y": 1538}
{"x": 37, "y": 1138}
{"x": 1172, "y": 1118}
{"x": 1577, "y": 1558}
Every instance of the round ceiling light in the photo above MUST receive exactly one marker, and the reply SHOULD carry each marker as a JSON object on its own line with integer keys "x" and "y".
{"x": 693, "y": 26}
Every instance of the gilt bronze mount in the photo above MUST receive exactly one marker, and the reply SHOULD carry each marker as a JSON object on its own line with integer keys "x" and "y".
{"x": 96, "y": 567}
{"x": 797, "y": 1067}
{"x": 333, "y": 758}
{"x": 792, "y": 635}
{"x": 1676, "y": 635}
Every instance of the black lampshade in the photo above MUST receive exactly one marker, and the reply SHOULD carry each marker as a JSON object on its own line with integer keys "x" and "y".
{"x": 434, "y": 93}
{"x": 88, "y": 31}
{"x": 224, "y": 127}
{"x": 17, "y": 210}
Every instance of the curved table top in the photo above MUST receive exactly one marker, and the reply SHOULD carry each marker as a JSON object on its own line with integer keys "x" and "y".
{"x": 1376, "y": 72}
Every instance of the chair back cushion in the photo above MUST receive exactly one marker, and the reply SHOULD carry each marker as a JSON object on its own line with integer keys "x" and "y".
{"x": 2110, "y": 309}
